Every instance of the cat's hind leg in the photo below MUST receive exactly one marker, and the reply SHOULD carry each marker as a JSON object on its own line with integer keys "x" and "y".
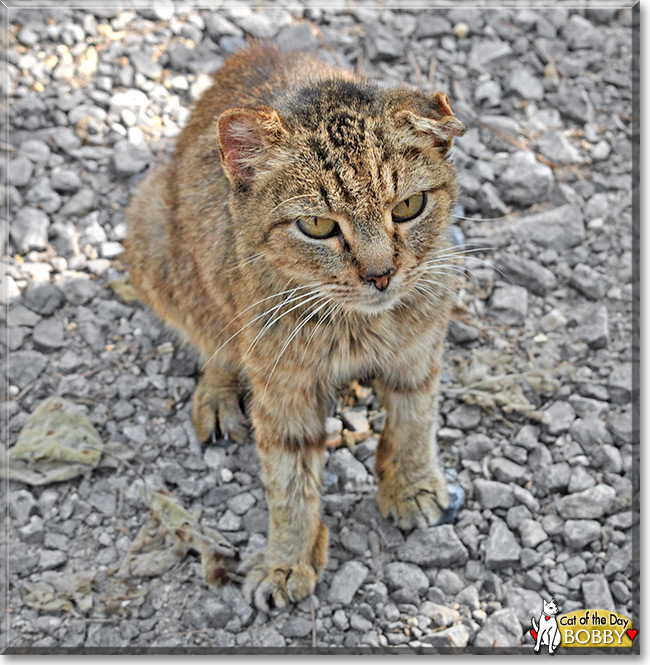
{"x": 217, "y": 399}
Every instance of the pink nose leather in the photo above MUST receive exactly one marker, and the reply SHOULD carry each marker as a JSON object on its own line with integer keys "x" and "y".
{"x": 380, "y": 281}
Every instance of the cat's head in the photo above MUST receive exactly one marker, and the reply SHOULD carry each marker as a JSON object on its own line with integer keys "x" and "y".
{"x": 550, "y": 608}
{"x": 346, "y": 186}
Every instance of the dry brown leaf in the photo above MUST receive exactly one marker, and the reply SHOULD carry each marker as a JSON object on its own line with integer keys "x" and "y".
{"x": 490, "y": 378}
{"x": 169, "y": 533}
{"x": 61, "y": 592}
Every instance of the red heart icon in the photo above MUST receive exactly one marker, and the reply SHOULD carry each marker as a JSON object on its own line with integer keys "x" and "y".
{"x": 631, "y": 633}
{"x": 533, "y": 632}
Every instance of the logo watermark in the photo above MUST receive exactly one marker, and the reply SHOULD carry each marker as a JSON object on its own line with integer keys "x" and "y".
{"x": 580, "y": 628}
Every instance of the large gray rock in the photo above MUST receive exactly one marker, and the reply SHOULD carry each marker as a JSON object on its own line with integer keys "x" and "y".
{"x": 400, "y": 575}
{"x": 579, "y": 533}
{"x": 492, "y": 494}
{"x": 456, "y": 636}
{"x": 525, "y": 602}
{"x": 218, "y": 26}
{"x": 435, "y": 546}
{"x": 589, "y": 282}
{"x": 594, "y": 328}
{"x": 43, "y": 196}
{"x": 432, "y": 26}
{"x": 383, "y": 44}
{"x": 144, "y": 63}
{"x": 19, "y": 171}
{"x": 581, "y": 33}
{"x": 348, "y": 468}
{"x": 556, "y": 146}
{"x": 485, "y": 52}
{"x": 103, "y": 635}
{"x": 560, "y": 417}
{"x": 296, "y": 627}
{"x": 532, "y": 533}
{"x": 265, "y": 24}
{"x": 132, "y": 99}
{"x": 596, "y": 593}
{"x": 506, "y": 471}
{"x": 29, "y": 229}
{"x": 526, "y": 85}
{"x": 527, "y": 273}
{"x": 593, "y": 503}
{"x": 620, "y": 384}
{"x": 525, "y": 180}
{"x": 297, "y": 37}
{"x": 48, "y": 335}
{"x": 43, "y": 299}
{"x": 502, "y": 629}
{"x": 129, "y": 158}
{"x": 618, "y": 561}
{"x": 509, "y": 304}
{"x": 22, "y": 505}
{"x": 65, "y": 180}
{"x": 346, "y": 582}
{"x": 465, "y": 417}
{"x": 502, "y": 549}
{"x": 25, "y": 367}
{"x": 560, "y": 228}
{"x": 80, "y": 204}
{"x": 35, "y": 150}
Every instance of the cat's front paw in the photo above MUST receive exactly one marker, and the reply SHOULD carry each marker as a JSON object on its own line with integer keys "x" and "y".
{"x": 413, "y": 504}
{"x": 272, "y": 584}
{"x": 208, "y": 408}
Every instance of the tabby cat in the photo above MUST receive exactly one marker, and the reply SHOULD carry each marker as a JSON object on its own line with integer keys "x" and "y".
{"x": 298, "y": 238}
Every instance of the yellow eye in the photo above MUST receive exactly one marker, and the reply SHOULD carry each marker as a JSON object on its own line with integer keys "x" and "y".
{"x": 317, "y": 227}
{"x": 409, "y": 208}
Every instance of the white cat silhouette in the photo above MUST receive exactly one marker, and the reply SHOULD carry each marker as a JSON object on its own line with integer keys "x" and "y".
{"x": 548, "y": 631}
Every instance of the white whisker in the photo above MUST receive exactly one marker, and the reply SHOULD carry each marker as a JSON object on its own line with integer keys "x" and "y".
{"x": 440, "y": 285}
{"x": 275, "y": 295}
{"x": 319, "y": 305}
{"x": 306, "y": 299}
{"x": 250, "y": 323}
{"x": 243, "y": 262}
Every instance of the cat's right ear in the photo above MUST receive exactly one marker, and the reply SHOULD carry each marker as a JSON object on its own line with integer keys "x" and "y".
{"x": 440, "y": 130}
{"x": 244, "y": 137}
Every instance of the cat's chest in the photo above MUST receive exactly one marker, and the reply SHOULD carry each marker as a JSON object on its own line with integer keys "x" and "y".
{"x": 367, "y": 346}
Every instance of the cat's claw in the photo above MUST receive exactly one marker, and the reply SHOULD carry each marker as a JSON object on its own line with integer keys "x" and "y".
{"x": 414, "y": 506}
{"x": 205, "y": 415}
{"x": 274, "y": 585}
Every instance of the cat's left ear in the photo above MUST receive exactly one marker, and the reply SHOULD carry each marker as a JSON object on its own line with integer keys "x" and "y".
{"x": 440, "y": 130}
{"x": 244, "y": 138}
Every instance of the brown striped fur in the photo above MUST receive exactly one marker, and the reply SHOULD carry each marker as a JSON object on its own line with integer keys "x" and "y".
{"x": 213, "y": 238}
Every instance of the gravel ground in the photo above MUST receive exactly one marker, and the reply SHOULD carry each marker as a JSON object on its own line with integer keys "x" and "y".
{"x": 546, "y": 457}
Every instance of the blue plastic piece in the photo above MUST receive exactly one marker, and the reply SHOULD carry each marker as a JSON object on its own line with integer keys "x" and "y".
{"x": 456, "y": 499}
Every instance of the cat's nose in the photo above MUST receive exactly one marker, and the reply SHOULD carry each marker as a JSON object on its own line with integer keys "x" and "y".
{"x": 380, "y": 281}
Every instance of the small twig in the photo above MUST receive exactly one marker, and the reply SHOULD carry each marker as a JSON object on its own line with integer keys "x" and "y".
{"x": 358, "y": 67}
{"x": 432, "y": 74}
{"x": 25, "y": 390}
{"x": 416, "y": 68}
{"x": 313, "y": 622}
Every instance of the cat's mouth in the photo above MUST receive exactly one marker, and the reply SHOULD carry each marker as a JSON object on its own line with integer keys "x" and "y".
{"x": 373, "y": 302}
